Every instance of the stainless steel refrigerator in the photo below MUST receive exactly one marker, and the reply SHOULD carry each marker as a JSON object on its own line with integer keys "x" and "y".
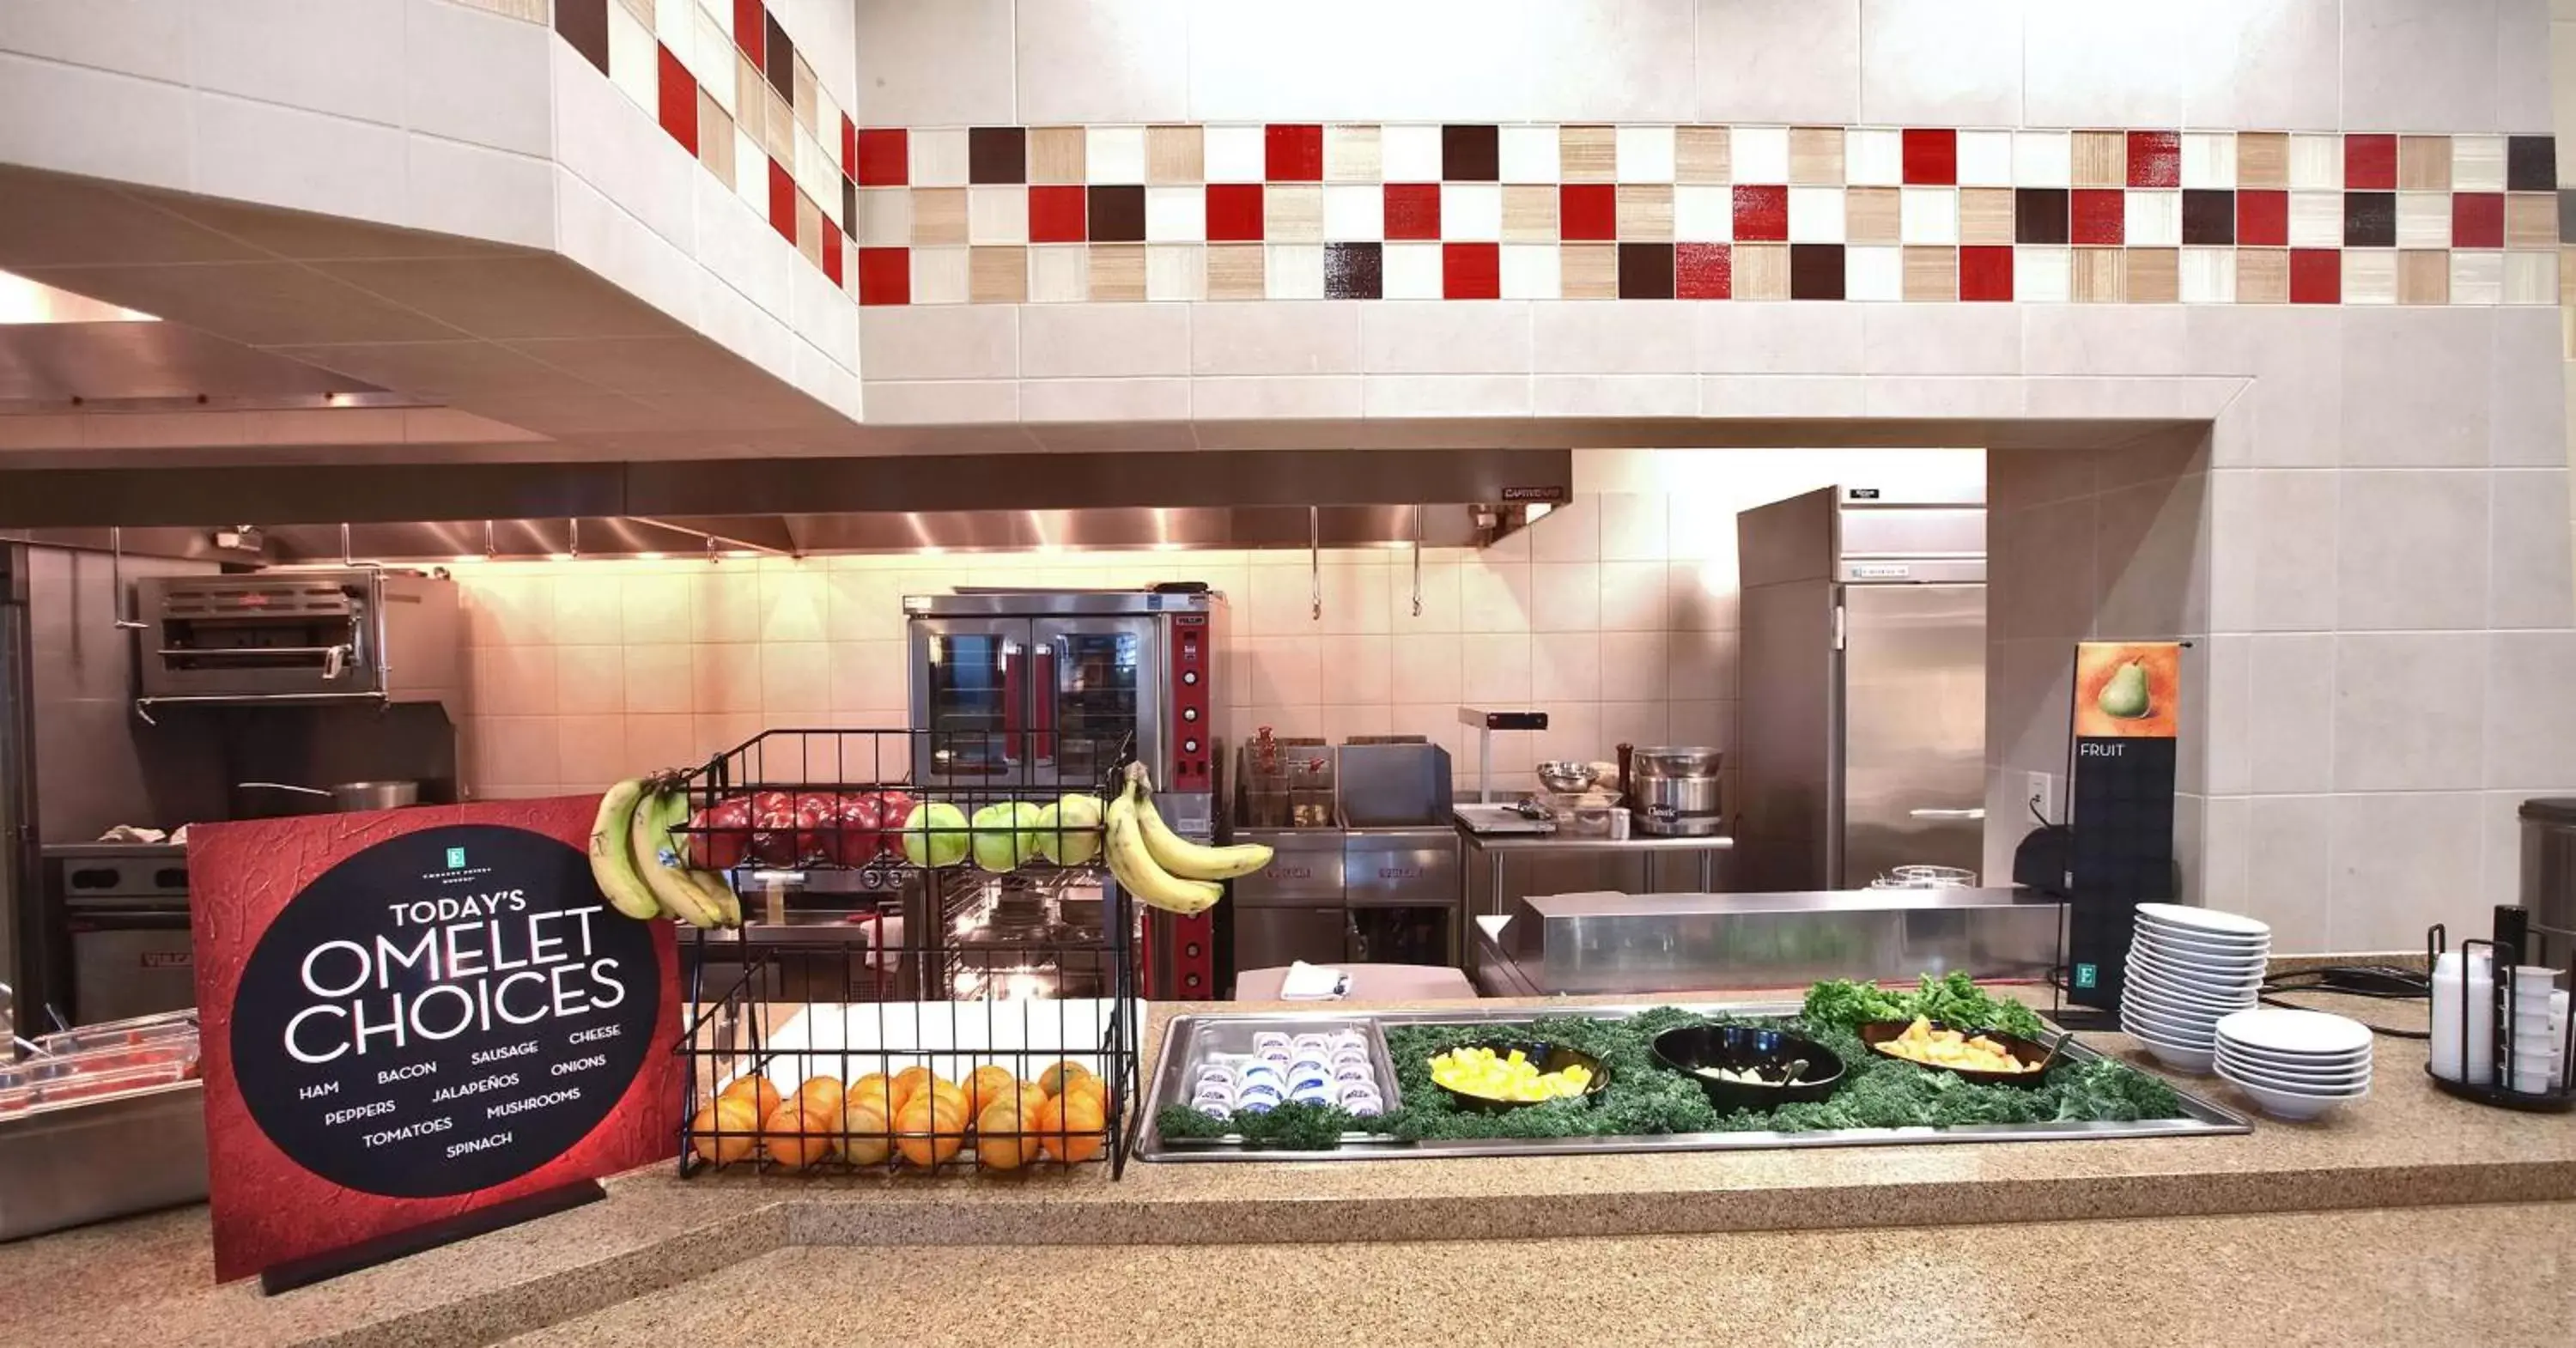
{"x": 1864, "y": 688}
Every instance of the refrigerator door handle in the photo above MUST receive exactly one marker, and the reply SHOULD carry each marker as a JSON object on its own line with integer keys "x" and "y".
{"x": 1977, "y": 813}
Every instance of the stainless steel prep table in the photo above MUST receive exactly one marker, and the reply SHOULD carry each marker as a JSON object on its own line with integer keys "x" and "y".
{"x": 1488, "y": 854}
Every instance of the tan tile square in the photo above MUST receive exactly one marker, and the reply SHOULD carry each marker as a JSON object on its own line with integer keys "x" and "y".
{"x": 2531, "y": 220}
{"x": 1985, "y": 215}
{"x": 1117, "y": 272}
{"x": 2423, "y": 274}
{"x": 1700, "y": 154}
{"x": 809, "y": 103}
{"x": 2263, "y": 275}
{"x": 1931, "y": 274}
{"x": 2155, "y": 275}
{"x": 1761, "y": 271}
{"x": 997, "y": 275}
{"x": 777, "y": 126}
{"x": 1234, "y": 272}
{"x": 1292, "y": 213}
{"x": 1529, "y": 213}
{"x": 2424, "y": 164}
{"x": 938, "y": 216}
{"x": 641, "y": 9}
{"x": 809, "y": 229}
{"x": 2100, "y": 275}
{"x": 2101, "y": 159}
{"x": 1351, "y": 154}
{"x": 1055, "y": 153}
{"x": 2567, "y": 286}
{"x": 715, "y": 137}
{"x": 1588, "y": 154}
{"x": 1173, "y": 154}
{"x": 1816, "y": 156}
{"x": 1870, "y": 215}
{"x": 1645, "y": 212}
{"x": 1589, "y": 271}
{"x": 2263, "y": 160}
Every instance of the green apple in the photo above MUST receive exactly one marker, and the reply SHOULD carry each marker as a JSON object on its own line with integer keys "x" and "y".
{"x": 934, "y": 834}
{"x": 1005, "y": 835}
{"x": 1069, "y": 830}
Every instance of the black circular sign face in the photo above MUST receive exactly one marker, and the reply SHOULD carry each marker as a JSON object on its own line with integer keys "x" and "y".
{"x": 443, "y": 1012}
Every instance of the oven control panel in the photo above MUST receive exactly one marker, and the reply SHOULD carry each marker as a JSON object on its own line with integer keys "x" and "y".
{"x": 1193, "y": 747}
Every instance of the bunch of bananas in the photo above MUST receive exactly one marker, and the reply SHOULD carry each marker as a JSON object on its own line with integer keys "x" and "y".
{"x": 643, "y": 869}
{"x": 1162, "y": 868}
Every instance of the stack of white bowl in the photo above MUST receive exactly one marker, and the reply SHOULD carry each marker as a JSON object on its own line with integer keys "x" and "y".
{"x": 2188, "y": 967}
{"x": 2539, "y": 1022}
{"x": 2294, "y": 1064}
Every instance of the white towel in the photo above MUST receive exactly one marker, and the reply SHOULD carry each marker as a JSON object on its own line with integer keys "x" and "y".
{"x": 1312, "y": 983}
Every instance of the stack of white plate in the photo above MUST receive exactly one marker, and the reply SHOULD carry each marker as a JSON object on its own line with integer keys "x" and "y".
{"x": 2294, "y": 1064}
{"x": 2188, "y": 967}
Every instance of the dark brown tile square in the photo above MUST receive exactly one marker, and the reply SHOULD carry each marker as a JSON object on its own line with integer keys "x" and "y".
{"x": 584, "y": 24}
{"x": 2208, "y": 216}
{"x": 997, "y": 154}
{"x": 850, "y": 208}
{"x": 2369, "y": 219}
{"x": 1645, "y": 271}
{"x": 778, "y": 57}
{"x": 2039, "y": 215}
{"x": 2531, "y": 163}
{"x": 1117, "y": 214}
{"x": 1471, "y": 154}
{"x": 1815, "y": 271}
{"x": 1354, "y": 271}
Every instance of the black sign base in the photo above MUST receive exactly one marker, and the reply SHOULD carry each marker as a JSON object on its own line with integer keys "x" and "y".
{"x": 329, "y": 1264}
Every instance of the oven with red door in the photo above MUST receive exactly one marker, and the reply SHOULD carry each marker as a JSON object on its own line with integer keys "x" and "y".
{"x": 1039, "y": 688}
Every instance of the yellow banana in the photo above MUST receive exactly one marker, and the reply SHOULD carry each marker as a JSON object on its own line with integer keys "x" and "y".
{"x": 1137, "y": 872}
{"x": 612, "y": 852}
{"x": 657, "y": 855}
{"x": 1191, "y": 860}
{"x": 720, "y": 895}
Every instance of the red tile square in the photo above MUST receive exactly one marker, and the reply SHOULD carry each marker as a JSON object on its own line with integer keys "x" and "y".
{"x": 2263, "y": 219}
{"x": 1761, "y": 214}
{"x": 1931, "y": 156}
{"x": 832, "y": 252}
{"x": 1057, "y": 215}
{"x": 782, "y": 203}
{"x": 884, "y": 157}
{"x": 1233, "y": 212}
{"x": 885, "y": 276}
{"x": 849, "y": 147}
{"x": 1986, "y": 273}
{"x": 679, "y": 99}
{"x": 2316, "y": 276}
{"x": 1413, "y": 210}
{"x": 1294, "y": 154}
{"x": 1587, "y": 211}
{"x": 747, "y": 26}
{"x": 2155, "y": 159}
{"x": 1471, "y": 271}
{"x": 2477, "y": 220}
{"x": 2100, "y": 214}
{"x": 2370, "y": 162}
{"x": 1703, "y": 271}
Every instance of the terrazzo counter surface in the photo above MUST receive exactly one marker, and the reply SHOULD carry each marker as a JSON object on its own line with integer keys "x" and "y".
{"x": 148, "y": 1279}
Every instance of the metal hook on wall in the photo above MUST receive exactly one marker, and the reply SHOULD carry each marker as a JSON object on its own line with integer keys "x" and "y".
{"x": 1417, "y": 561}
{"x": 116, "y": 582}
{"x": 1315, "y": 563}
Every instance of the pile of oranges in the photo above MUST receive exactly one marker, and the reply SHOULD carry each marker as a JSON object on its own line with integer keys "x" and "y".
{"x": 914, "y": 1114}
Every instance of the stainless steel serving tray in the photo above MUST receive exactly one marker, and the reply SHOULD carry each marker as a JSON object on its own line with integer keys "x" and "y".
{"x": 2203, "y": 1118}
{"x": 1213, "y": 1039}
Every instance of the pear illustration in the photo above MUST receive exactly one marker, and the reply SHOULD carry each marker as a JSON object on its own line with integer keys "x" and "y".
{"x": 2125, "y": 696}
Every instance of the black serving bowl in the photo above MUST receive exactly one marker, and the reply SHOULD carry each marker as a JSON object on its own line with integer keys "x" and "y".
{"x": 1877, "y": 1033}
{"x": 1745, "y": 1047}
{"x": 1549, "y": 1057}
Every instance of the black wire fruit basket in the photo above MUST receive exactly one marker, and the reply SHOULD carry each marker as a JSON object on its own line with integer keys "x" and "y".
{"x": 937, "y": 974}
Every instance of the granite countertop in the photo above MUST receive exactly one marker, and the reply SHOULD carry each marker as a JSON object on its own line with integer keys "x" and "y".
{"x": 2406, "y": 1147}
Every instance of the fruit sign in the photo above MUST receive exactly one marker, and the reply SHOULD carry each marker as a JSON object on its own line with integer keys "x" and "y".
{"x": 2128, "y": 710}
{"x": 413, "y": 1015}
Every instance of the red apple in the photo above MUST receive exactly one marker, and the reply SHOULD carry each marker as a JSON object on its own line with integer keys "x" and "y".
{"x": 773, "y": 819}
{"x": 862, "y": 828}
{"x": 818, "y": 823}
{"x": 722, "y": 840}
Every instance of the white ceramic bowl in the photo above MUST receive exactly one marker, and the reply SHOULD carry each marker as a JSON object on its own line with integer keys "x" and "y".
{"x": 2179, "y": 1056}
{"x": 2139, "y": 1020}
{"x": 2282, "y": 1104}
{"x": 2185, "y": 1003}
{"x": 2315, "y": 1083}
{"x": 2291, "y": 1062}
{"x": 2203, "y": 919}
{"x": 2198, "y": 943}
{"x": 2309, "y": 1033}
{"x": 2148, "y": 968}
{"x": 2190, "y": 957}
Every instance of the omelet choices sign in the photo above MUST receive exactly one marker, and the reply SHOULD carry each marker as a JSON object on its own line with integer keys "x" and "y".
{"x": 415, "y": 1016}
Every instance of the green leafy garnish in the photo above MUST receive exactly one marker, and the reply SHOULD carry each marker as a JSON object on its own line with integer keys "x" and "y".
{"x": 1955, "y": 1001}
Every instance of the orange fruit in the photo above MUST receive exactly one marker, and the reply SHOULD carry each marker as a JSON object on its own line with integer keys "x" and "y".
{"x": 908, "y": 1081}
{"x": 1070, "y": 1128}
{"x": 988, "y": 1084}
{"x": 1094, "y": 1087}
{"x": 798, "y": 1134}
{"x": 754, "y": 1090}
{"x": 1003, "y": 1134}
{"x": 821, "y": 1094}
{"x": 867, "y": 1130}
{"x": 952, "y": 1096}
{"x": 1052, "y": 1080}
{"x": 876, "y": 1088}
{"x": 726, "y": 1131}
{"x": 928, "y": 1130}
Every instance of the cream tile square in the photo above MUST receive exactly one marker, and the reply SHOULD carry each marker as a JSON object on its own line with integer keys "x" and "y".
{"x": 2043, "y": 159}
{"x": 1530, "y": 271}
{"x": 1645, "y": 154}
{"x": 1873, "y": 272}
{"x": 2101, "y": 159}
{"x": 1354, "y": 213}
{"x": 1175, "y": 271}
{"x": 939, "y": 276}
{"x": 2369, "y": 276}
{"x": 1237, "y": 154}
{"x": 2477, "y": 278}
{"x": 885, "y": 216}
{"x": 1296, "y": 271}
{"x": 1411, "y": 271}
{"x": 997, "y": 215}
{"x": 1174, "y": 154}
{"x": 1759, "y": 154}
{"x": 633, "y": 64}
{"x": 2316, "y": 220}
{"x": 2154, "y": 219}
{"x": 2316, "y": 163}
{"x": 2100, "y": 275}
{"x": 1293, "y": 213}
{"x": 938, "y": 157}
{"x": 1761, "y": 271}
{"x": 1873, "y": 156}
{"x": 1471, "y": 212}
{"x": 1352, "y": 153}
{"x": 1700, "y": 155}
{"x": 1985, "y": 159}
{"x": 751, "y": 176}
{"x": 1113, "y": 155}
{"x": 1528, "y": 155}
{"x": 1703, "y": 214}
{"x": 2423, "y": 219}
{"x": 1929, "y": 214}
{"x": 1816, "y": 156}
{"x": 2477, "y": 163}
{"x": 1175, "y": 214}
{"x": 2042, "y": 275}
{"x": 1409, "y": 153}
{"x": 1815, "y": 215}
{"x": 2531, "y": 278}
{"x": 1588, "y": 154}
{"x": 1645, "y": 212}
{"x": 1059, "y": 273}
{"x": 2209, "y": 159}
{"x": 2208, "y": 276}
{"x": 711, "y": 58}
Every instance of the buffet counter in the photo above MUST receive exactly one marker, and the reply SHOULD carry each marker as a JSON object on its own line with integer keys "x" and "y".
{"x": 2135, "y": 1223}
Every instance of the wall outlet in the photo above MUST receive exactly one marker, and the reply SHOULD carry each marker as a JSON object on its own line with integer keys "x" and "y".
{"x": 2039, "y": 793}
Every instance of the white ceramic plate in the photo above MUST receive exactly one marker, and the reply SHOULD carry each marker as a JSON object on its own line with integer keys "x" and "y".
{"x": 2203, "y": 919}
{"x": 2312, "y": 1033}
{"x": 2312, "y": 1083}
